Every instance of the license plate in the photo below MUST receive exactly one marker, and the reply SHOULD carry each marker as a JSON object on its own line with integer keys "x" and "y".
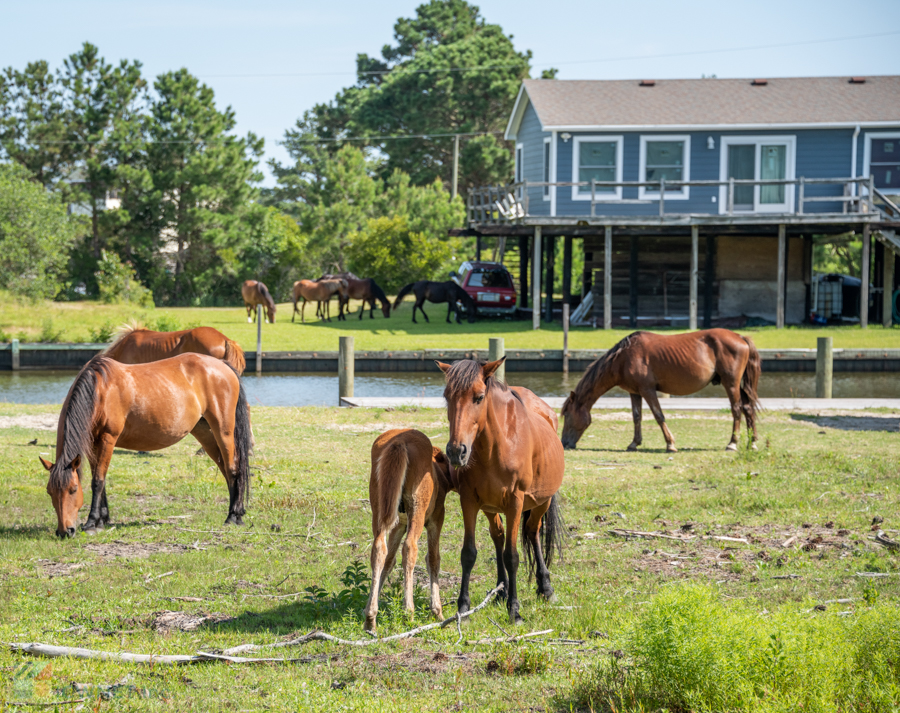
{"x": 488, "y": 297}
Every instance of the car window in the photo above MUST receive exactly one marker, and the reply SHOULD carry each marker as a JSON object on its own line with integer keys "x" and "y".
{"x": 495, "y": 278}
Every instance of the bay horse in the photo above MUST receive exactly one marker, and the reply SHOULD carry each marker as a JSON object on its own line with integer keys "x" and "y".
{"x": 319, "y": 291}
{"x": 448, "y": 292}
{"x": 507, "y": 460}
{"x": 408, "y": 484}
{"x": 146, "y": 407}
{"x": 256, "y": 293}
{"x": 365, "y": 289}
{"x": 678, "y": 364}
{"x": 138, "y": 345}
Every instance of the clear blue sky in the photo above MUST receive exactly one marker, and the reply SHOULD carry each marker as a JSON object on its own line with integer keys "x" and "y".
{"x": 221, "y": 40}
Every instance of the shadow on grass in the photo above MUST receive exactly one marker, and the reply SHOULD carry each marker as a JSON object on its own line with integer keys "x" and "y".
{"x": 889, "y": 423}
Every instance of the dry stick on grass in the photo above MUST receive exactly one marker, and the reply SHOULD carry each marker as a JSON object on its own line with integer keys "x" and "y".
{"x": 646, "y": 535}
{"x": 322, "y": 636}
{"x": 26, "y": 704}
{"x": 883, "y": 540}
{"x": 510, "y": 639}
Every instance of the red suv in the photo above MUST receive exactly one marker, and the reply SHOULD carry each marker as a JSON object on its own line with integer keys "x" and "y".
{"x": 490, "y": 285}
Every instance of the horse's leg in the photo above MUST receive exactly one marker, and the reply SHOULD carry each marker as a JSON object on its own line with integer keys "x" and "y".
{"x": 511, "y": 557}
{"x": 636, "y": 417}
{"x": 371, "y": 307}
{"x": 733, "y": 390}
{"x": 416, "y": 522}
{"x": 219, "y": 424}
{"x": 103, "y": 451}
{"x": 750, "y": 416}
{"x": 498, "y": 536}
{"x": 422, "y": 309}
{"x": 248, "y": 307}
{"x": 302, "y": 310}
{"x": 449, "y": 311}
{"x": 653, "y": 402}
{"x": 377, "y": 559}
{"x": 393, "y": 544}
{"x": 362, "y": 308}
{"x": 469, "y": 552}
{"x": 532, "y": 533}
{"x": 434, "y": 525}
{"x": 294, "y": 313}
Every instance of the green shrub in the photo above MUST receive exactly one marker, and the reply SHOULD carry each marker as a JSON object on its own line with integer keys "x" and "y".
{"x": 521, "y": 659}
{"x": 166, "y": 323}
{"x": 117, "y": 282}
{"x": 104, "y": 333}
{"x": 5, "y": 336}
{"x": 50, "y": 334}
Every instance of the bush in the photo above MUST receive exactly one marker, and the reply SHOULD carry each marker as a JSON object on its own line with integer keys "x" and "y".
{"x": 103, "y": 334}
{"x": 117, "y": 282}
{"x": 49, "y": 334}
{"x": 166, "y": 323}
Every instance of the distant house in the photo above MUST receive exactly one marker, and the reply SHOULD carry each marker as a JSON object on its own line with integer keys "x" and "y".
{"x": 734, "y": 176}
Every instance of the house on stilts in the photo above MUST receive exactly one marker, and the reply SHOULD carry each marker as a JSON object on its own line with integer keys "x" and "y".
{"x": 697, "y": 201}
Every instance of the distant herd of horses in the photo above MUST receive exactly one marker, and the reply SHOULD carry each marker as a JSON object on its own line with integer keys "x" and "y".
{"x": 346, "y": 286}
{"x": 149, "y": 390}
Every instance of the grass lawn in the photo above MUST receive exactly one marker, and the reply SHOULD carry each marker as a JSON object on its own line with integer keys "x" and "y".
{"x": 75, "y": 321}
{"x": 696, "y": 623}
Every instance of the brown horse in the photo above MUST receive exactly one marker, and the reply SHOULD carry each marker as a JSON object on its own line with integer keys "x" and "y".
{"x": 508, "y": 461}
{"x": 146, "y": 407}
{"x": 408, "y": 484}
{"x": 320, "y": 292}
{"x": 366, "y": 290}
{"x": 137, "y": 345}
{"x": 680, "y": 364}
{"x": 256, "y": 293}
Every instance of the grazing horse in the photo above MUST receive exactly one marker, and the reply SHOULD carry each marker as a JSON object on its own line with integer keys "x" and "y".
{"x": 137, "y": 345}
{"x": 319, "y": 292}
{"x": 448, "y": 292}
{"x": 508, "y": 461}
{"x": 408, "y": 484}
{"x": 256, "y": 293}
{"x": 680, "y": 364}
{"x": 366, "y": 290}
{"x": 146, "y": 407}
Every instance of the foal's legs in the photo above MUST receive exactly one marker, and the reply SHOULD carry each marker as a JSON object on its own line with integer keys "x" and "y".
{"x": 384, "y": 549}
{"x": 411, "y": 554}
{"x": 434, "y": 525}
{"x": 498, "y": 536}
{"x": 653, "y": 402}
{"x": 532, "y": 528}
{"x": 103, "y": 450}
{"x": 636, "y": 416}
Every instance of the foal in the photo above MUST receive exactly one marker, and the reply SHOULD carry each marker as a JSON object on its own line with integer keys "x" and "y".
{"x": 409, "y": 481}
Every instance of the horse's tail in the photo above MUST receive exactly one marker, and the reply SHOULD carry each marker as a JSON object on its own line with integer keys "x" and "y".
{"x": 403, "y": 293}
{"x": 750, "y": 379}
{"x": 378, "y": 293}
{"x": 234, "y": 356}
{"x": 553, "y": 528}
{"x": 243, "y": 444}
{"x": 388, "y": 479}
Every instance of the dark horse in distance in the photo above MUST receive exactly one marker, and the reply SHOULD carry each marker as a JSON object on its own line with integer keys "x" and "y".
{"x": 438, "y": 292}
{"x": 365, "y": 289}
{"x": 679, "y": 364}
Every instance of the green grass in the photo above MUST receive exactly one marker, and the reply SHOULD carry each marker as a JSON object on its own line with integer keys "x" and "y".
{"x": 652, "y": 638}
{"x": 85, "y": 321}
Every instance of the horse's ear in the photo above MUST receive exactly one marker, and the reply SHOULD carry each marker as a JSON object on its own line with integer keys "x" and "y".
{"x": 47, "y": 464}
{"x": 442, "y": 366}
{"x": 76, "y": 463}
{"x": 572, "y": 395}
{"x": 492, "y": 366}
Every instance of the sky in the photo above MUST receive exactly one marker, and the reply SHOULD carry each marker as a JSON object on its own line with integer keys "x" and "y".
{"x": 270, "y": 60}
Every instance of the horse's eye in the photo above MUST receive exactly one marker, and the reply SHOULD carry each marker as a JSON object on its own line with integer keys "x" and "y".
{"x": 479, "y": 399}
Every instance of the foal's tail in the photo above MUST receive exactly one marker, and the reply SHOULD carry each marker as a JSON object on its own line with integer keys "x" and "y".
{"x": 389, "y": 477}
{"x": 234, "y": 356}
{"x": 403, "y": 293}
{"x": 553, "y": 528}
{"x": 243, "y": 444}
{"x": 750, "y": 379}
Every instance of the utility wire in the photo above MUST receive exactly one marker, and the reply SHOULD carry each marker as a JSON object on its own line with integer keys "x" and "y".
{"x": 397, "y": 137}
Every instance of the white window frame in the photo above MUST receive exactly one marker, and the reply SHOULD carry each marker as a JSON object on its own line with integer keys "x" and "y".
{"x": 788, "y": 140}
{"x": 519, "y": 174}
{"x": 867, "y": 155}
{"x": 684, "y": 194}
{"x": 619, "y": 140}
{"x": 547, "y": 166}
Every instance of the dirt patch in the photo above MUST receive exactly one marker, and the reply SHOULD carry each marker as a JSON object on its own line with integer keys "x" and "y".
{"x": 168, "y": 621}
{"x": 419, "y": 661}
{"x": 36, "y": 422}
{"x": 59, "y": 569}
{"x": 135, "y": 550}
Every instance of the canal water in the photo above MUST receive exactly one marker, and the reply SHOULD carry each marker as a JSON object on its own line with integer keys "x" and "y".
{"x": 307, "y": 389}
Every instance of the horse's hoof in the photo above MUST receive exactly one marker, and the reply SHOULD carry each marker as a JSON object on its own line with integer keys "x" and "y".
{"x": 234, "y": 520}
{"x": 753, "y": 446}
{"x": 731, "y": 447}
{"x": 515, "y": 619}
{"x": 671, "y": 449}
{"x": 249, "y": 320}
{"x": 92, "y": 530}
{"x": 549, "y": 598}
{"x": 632, "y": 447}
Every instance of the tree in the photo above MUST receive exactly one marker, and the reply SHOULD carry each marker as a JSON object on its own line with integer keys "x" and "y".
{"x": 35, "y": 235}
{"x": 276, "y": 253}
{"x": 388, "y": 251}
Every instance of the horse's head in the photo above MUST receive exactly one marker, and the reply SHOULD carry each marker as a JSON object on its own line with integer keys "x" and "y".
{"x": 386, "y": 308}
{"x": 576, "y": 419}
{"x": 468, "y": 383}
{"x": 64, "y": 488}
{"x": 442, "y": 470}
{"x": 270, "y": 311}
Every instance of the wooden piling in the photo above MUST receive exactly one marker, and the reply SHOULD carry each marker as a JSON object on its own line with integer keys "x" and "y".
{"x": 887, "y": 303}
{"x": 565, "y": 317}
{"x": 695, "y": 267}
{"x": 866, "y": 269}
{"x": 346, "y": 364}
{"x": 536, "y": 280}
{"x": 607, "y": 277}
{"x": 496, "y": 350}
{"x": 782, "y": 269}
{"x": 824, "y": 367}
{"x": 259, "y": 319}
{"x": 14, "y": 350}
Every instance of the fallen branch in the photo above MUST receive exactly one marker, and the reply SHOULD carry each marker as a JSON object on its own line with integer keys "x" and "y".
{"x": 509, "y": 639}
{"x": 647, "y": 535}
{"x": 150, "y": 578}
{"x": 875, "y": 574}
{"x": 24, "y": 704}
{"x": 322, "y": 636}
{"x": 789, "y": 541}
{"x": 883, "y": 540}
{"x": 786, "y": 576}
{"x": 723, "y": 538}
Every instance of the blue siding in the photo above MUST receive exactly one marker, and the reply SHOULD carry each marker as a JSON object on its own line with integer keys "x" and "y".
{"x": 532, "y": 139}
{"x": 820, "y": 153}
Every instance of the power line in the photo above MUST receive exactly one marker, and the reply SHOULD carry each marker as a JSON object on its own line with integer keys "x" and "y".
{"x": 317, "y": 140}
{"x": 487, "y": 68}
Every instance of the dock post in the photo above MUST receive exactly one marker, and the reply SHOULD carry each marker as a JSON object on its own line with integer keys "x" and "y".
{"x": 346, "y": 365}
{"x": 866, "y": 267}
{"x": 536, "y": 280}
{"x": 259, "y": 319}
{"x": 565, "y": 338}
{"x": 607, "y": 277}
{"x": 695, "y": 267}
{"x": 887, "y": 303}
{"x": 496, "y": 350}
{"x": 780, "y": 286}
{"x": 824, "y": 367}
{"x": 14, "y": 351}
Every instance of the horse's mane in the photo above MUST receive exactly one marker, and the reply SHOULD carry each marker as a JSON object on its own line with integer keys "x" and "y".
{"x": 122, "y": 331}
{"x": 462, "y": 376}
{"x": 264, "y": 291}
{"x": 377, "y": 291}
{"x": 77, "y": 418}
{"x": 597, "y": 368}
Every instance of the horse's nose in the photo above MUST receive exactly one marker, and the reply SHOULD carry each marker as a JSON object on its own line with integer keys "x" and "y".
{"x": 68, "y": 532}
{"x": 457, "y": 454}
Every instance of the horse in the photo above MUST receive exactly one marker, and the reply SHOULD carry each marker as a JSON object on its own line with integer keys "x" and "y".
{"x": 256, "y": 293}
{"x": 408, "y": 484}
{"x": 508, "y": 460}
{"x": 363, "y": 289}
{"x": 138, "y": 345}
{"x": 146, "y": 407}
{"x": 448, "y": 292}
{"x": 318, "y": 291}
{"x": 680, "y": 364}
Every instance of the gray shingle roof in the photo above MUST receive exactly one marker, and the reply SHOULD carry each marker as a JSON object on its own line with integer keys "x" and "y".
{"x": 710, "y": 102}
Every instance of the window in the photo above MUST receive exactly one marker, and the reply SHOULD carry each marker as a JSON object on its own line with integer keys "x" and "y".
{"x": 758, "y": 158}
{"x": 883, "y": 160}
{"x": 597, "y": 158}
{"x": 519, "y": 167}
{"x": 665, "y": 157}
{"x": 546, "y": 174}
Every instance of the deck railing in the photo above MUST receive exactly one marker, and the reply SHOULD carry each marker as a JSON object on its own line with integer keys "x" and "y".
{"x": 510, "y": 203}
